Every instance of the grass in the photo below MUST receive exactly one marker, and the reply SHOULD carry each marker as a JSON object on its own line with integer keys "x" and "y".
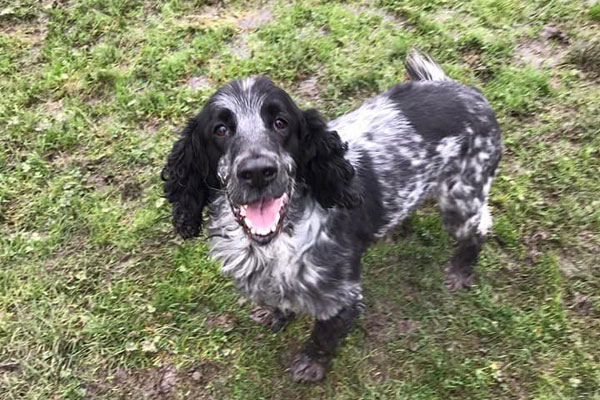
{"x": 99, "y": 300}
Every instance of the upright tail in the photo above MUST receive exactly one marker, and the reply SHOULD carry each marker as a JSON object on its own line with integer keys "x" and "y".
{"x": 420, "y": 67}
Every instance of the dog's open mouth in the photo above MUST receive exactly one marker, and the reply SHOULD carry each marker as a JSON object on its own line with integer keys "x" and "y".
{"x": 262, "y": 220}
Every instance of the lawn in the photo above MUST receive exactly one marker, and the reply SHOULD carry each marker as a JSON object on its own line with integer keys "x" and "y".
{"x": 100, "y": 300}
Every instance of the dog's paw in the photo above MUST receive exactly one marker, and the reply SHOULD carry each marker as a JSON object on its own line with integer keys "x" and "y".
{"x": 262, "y": 315}
{"x": 306, "y": 369}
{"x": 456, "y": 280}
{"x": 272, "y": 318}
{"x": 278, "y": 323}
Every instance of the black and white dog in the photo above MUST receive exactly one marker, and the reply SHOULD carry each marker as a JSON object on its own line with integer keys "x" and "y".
{"x": 294, "y": 201}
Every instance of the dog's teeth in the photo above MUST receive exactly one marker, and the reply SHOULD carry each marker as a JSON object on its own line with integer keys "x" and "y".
{"x": 243, "y": 211}
{"x": 248, "y": 223}
{"x": 277, "y": 218}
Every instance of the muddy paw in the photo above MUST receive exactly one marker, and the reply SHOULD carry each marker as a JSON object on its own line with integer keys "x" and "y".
{"x": 456, "y": 281}
{"x": 280, "y": 320}
{"x": 305, "y": 369}
{"x": 262, "y": 315}
{"x": 272, "y": 318}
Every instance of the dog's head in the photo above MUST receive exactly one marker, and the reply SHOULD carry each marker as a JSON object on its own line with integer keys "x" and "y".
{"x": 252, "y": 143}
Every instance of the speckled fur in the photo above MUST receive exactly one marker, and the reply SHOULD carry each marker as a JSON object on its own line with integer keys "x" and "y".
{"x": 431, "y": 137}
{"x": 457, "y": 169}
{"x": 286, "y": 273}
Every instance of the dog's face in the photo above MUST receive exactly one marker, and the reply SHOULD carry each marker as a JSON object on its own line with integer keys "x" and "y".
{"x": 257, "y": 129}
{"x": 252, "y": 142}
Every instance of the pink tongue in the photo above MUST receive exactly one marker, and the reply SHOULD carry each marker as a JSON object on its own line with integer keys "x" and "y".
{"x": 262, "y": 213}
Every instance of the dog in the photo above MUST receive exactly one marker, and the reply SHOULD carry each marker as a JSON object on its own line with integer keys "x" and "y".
{"x": 293, "y": 201}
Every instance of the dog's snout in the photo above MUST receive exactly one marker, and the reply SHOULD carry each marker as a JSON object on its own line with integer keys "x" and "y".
{"x": 257, "y": 172}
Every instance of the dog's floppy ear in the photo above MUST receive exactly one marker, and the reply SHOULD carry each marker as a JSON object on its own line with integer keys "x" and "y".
{"x": 324, "y": 168}
{"x": 188, "y": 180}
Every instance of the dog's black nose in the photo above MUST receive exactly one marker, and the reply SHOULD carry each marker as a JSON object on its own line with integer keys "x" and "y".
{"x": 257, "y": 172}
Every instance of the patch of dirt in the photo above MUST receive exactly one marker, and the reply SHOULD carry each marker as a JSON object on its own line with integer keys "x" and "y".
{"x": 157, "y": 383}
{"x": 546, "y": 51}
{"x": 53, "y": 109}
{"x": 535, "y": 243}
{"x": 204, "y": 372}
{"x": 120, "y": 268}
{"x": 255, "y": 19}
{"x": 211, "y": 16}
{"x": 92, "y": 169}
{"x": 131, "y": 190}
{"x": 67, "y": 254}
{"x": 395, "y": 21}
{"x": 97, "y": 173}
{"x": 384, "y": 322}
{"x": 198, "y": 83}
{"x": 446, "y": 16}
{"x": 168, "y": 380}
{"x": 223, "y": 322}
{"x": 61, "y": 160}
{"x": 383, "y": 328}
{"x": 99, "y": 182}
{"x": 515, "y": 386}
{"x": 582, "y": 304}
{"x": 215, "y": 15}
{"x": 586, "y": 55}
{"x": 240, "y": 49}
{"x": 579, "y": 263}
{"x": 32, "y": 32}
{"x": 538, "y": 54}
{"x": 551, "y": 32}
{"x": 472, "y": 58}
{"x": 309, "y": 87}
{"x": 589, "y": 240}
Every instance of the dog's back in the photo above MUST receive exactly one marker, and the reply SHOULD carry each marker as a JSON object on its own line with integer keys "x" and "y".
{"x": 420, "y": 135}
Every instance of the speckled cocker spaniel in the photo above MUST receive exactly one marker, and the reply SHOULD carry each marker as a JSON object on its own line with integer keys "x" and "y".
{"x": 294, "y": 200}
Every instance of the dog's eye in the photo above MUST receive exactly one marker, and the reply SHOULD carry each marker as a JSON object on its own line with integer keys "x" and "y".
{"x": 221, "y": 130}
{"x": 280, "y": 124}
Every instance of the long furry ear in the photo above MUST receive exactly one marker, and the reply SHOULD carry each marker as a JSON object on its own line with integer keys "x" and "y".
{"x": 187, "y": 181}
{"x": 324, "y": 168}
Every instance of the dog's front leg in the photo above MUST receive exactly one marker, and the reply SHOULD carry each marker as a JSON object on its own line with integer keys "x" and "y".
{"x": 311, "y": 364}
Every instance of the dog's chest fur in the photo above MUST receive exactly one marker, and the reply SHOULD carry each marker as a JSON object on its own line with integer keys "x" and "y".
{"x": 286, "y": 273}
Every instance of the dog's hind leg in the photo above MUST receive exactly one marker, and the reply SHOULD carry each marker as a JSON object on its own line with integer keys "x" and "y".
{"x": 311, "y": 364}
{"x": 462, "y": 193}
{"x": 465, "y": 215}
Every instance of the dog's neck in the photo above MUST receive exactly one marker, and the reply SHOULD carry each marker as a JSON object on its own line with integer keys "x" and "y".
{"x": 287, "y": 273}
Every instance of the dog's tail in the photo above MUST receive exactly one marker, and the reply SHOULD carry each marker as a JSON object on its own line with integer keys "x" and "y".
{"x": 420, "y": 67}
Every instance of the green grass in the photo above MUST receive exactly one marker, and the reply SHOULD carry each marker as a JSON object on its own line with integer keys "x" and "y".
{"x": 98, "y": 299}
